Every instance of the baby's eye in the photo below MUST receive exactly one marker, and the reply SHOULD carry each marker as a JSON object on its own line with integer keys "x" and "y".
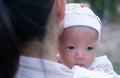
{"x": 71, "y": 47}
{"x": 89, "y": 48}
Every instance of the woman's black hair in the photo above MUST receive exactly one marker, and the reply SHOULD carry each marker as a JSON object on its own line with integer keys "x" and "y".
{"x": 20, "y": 21}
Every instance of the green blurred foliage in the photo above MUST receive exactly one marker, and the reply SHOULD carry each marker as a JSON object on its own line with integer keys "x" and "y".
{"x": 97, "y": 6}
{"x": 69, "y": 1}
{"x": 116, "y": 66}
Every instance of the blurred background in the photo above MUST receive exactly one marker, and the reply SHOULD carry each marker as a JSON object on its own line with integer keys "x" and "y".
{"x": 109, "y": 12}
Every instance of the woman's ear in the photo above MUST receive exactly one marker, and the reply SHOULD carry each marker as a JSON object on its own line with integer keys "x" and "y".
{"x": 60, "y": 8}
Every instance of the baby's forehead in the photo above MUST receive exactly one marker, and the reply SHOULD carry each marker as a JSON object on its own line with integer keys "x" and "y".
{"x": 79, "y": 42}
{"x": 77, "y": 33}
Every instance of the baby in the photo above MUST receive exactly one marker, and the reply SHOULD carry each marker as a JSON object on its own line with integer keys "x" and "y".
{"x": 80, "y": 39}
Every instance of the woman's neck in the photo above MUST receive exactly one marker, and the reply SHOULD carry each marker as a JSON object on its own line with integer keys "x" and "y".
{"x": 46, "y": 49}
{"x": 43, "y": 50}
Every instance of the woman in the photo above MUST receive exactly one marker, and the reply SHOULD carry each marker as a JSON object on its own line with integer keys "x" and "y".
{"x": 27, "y": 28}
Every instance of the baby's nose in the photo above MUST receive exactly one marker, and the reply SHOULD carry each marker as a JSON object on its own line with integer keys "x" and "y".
{"x": 80, "y": 55}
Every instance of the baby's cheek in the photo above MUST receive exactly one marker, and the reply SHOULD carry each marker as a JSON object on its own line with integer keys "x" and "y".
{"x": 67, "y": 61}
{"x": 89, "y": 61}
{"x": 71, "y": 62}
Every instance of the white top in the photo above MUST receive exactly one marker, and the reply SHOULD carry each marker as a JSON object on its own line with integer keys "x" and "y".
{"x": 85, "y": 73}
{"x": 39, "y": 68}
{"x": 103, "y": 64}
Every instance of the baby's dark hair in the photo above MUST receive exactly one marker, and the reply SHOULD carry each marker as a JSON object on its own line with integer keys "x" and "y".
{"x": 20, "y": 21}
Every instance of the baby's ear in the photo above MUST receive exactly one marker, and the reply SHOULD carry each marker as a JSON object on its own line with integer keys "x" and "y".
{"x": 58, "y": 58}
{"x": 60, "y": 8}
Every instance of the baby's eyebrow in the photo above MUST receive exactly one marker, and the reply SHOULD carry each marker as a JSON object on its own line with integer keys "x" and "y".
{"x": 92, "y": 44}
{"x": 67, "y": 44}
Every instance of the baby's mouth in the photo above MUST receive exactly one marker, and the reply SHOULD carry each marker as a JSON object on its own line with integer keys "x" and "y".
{"x": 81, "y": 65}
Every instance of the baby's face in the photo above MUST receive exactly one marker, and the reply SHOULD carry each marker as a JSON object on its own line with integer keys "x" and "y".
{"x": 78, "y": 46}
